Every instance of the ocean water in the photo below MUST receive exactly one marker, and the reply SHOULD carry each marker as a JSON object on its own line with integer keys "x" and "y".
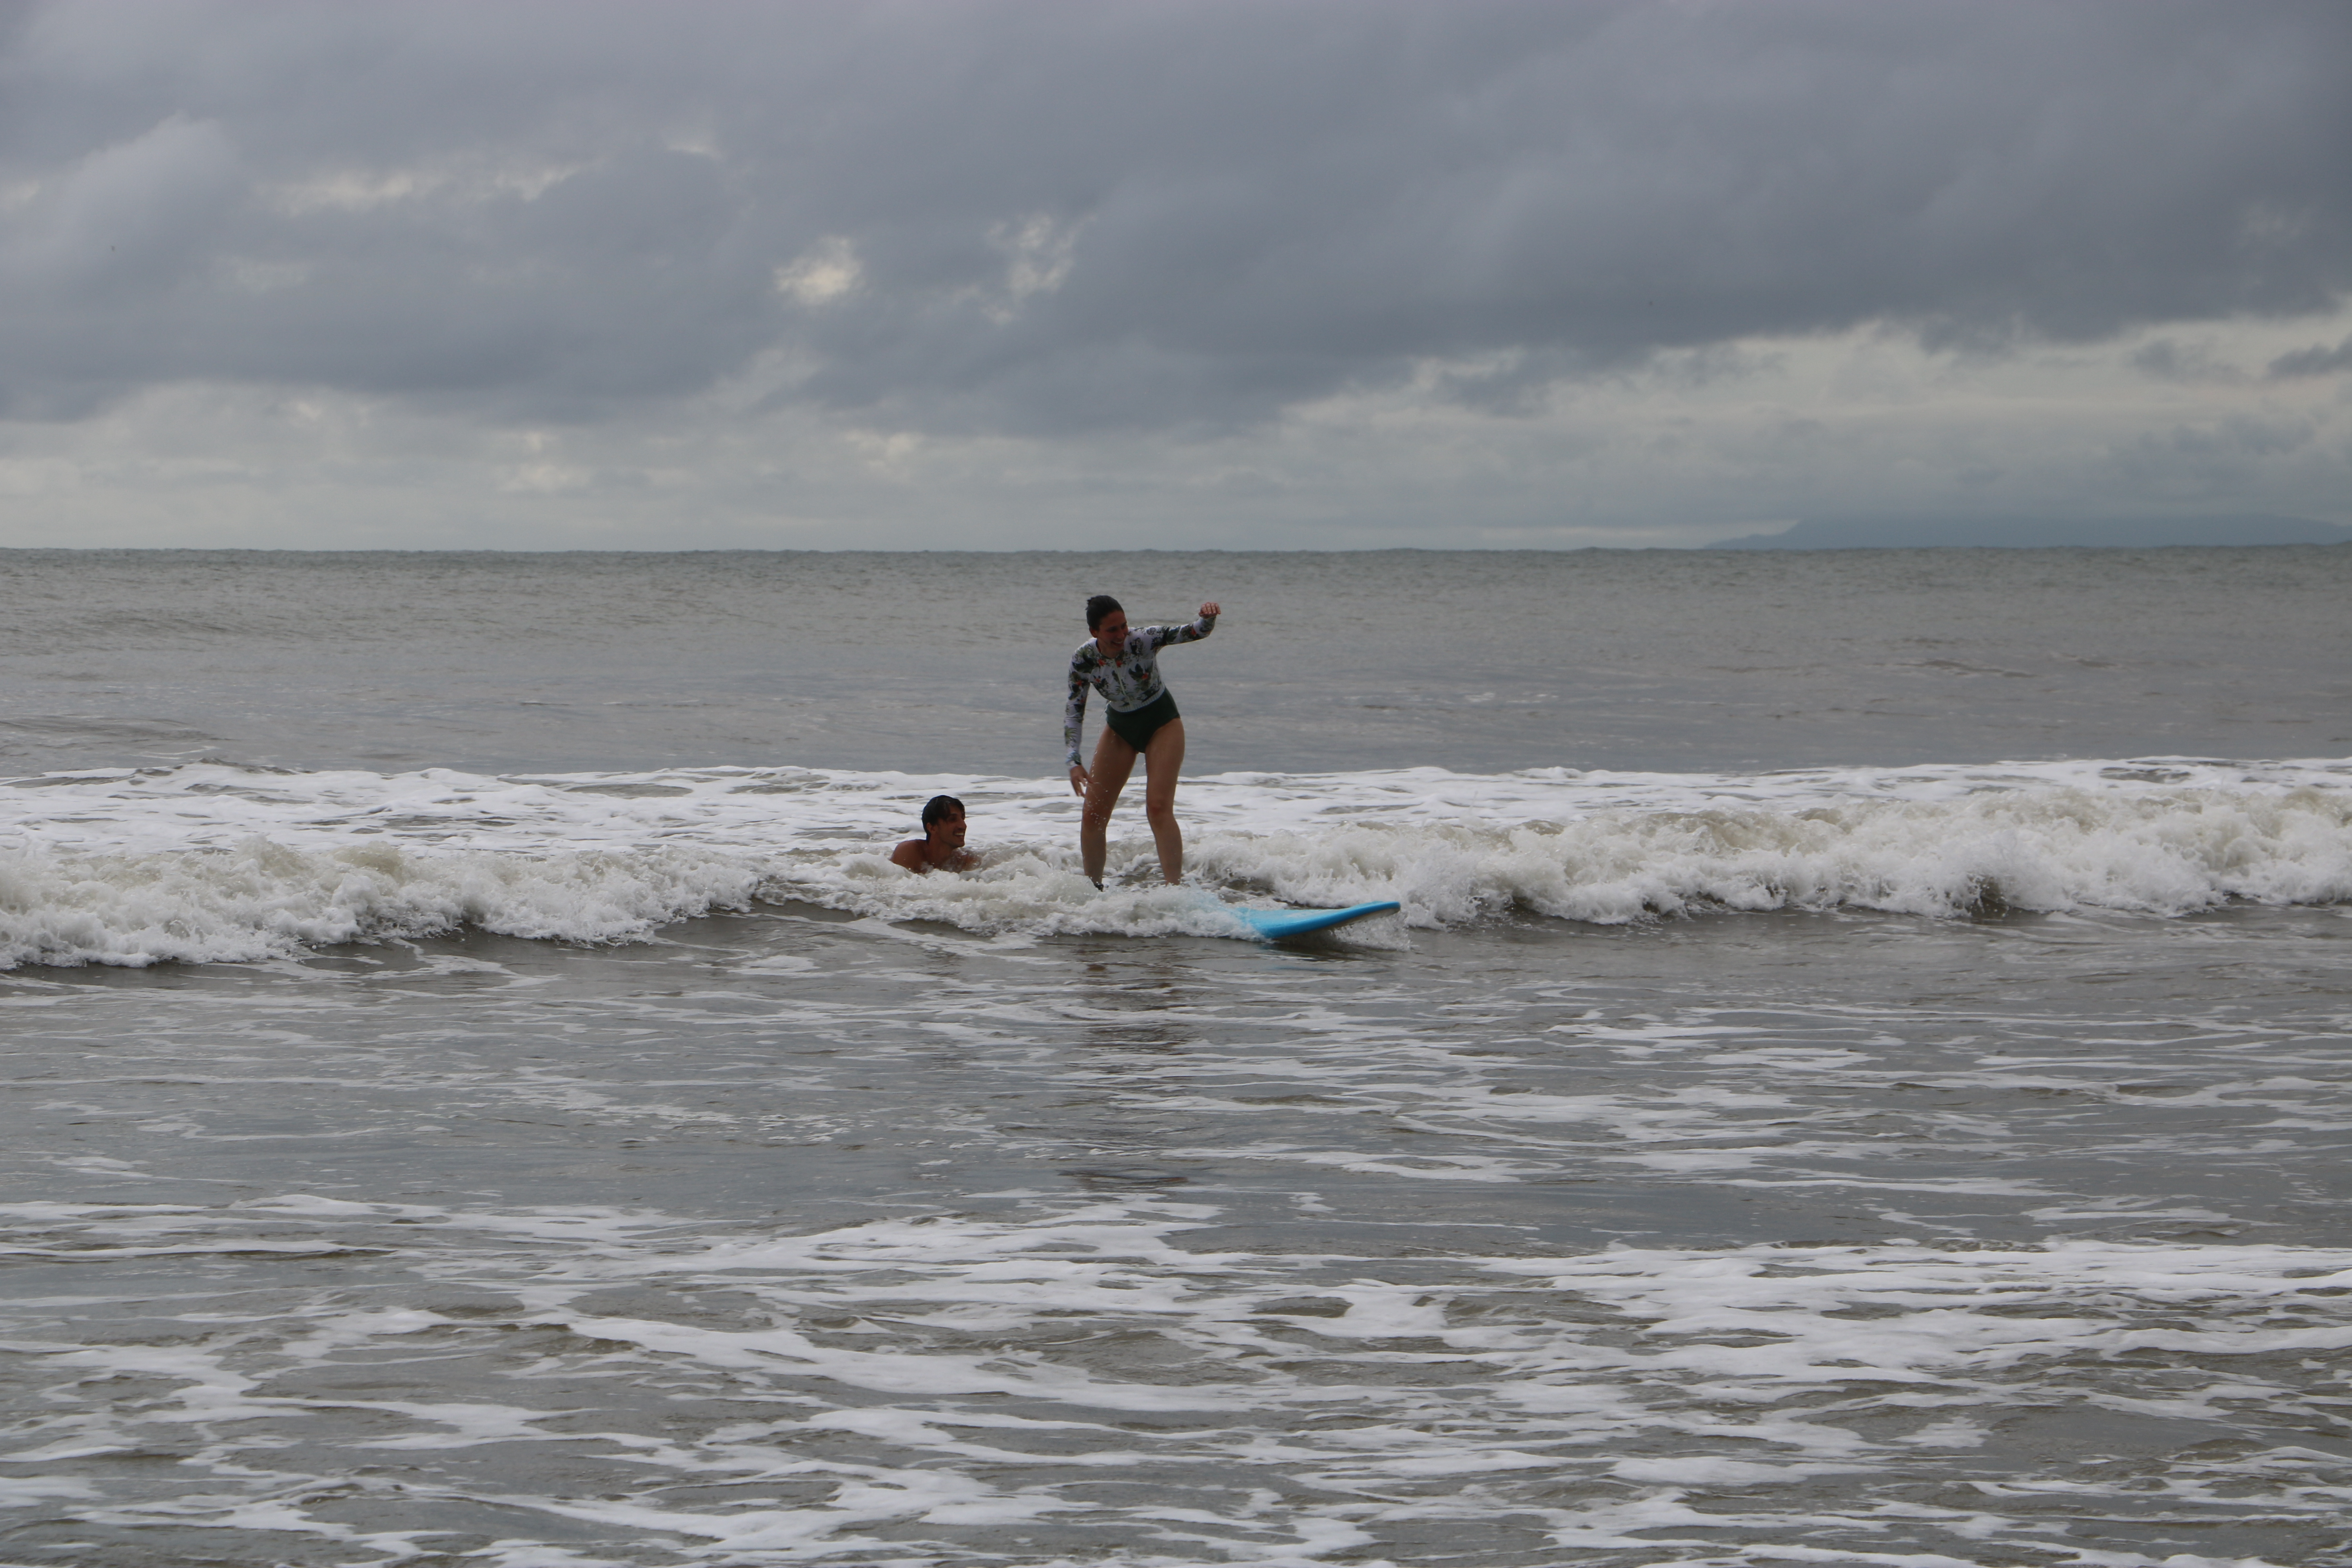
{"x": 1858, "y": 1076}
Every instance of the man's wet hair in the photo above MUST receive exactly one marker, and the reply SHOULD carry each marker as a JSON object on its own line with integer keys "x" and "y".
{"x": 938, "y": 806}
{"x": 1099, "y": 606}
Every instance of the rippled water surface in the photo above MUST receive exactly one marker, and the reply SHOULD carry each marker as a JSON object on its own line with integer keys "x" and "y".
{"x": 504, "y": 1153}
{"x": 1475, "y": 661}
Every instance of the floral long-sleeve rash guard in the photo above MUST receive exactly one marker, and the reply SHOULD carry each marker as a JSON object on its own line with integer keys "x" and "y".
{"x": 1128, "y": 682}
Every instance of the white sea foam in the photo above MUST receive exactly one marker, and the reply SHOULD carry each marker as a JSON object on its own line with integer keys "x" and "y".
{"x": 213, "y": 862}
{"x": 879, "y": 1392}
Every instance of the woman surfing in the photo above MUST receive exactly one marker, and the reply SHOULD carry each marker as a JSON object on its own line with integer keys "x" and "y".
{"x": 1140, "y": 720}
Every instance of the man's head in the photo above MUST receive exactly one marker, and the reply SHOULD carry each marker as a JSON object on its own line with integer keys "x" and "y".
{"x": 943, "y": 820}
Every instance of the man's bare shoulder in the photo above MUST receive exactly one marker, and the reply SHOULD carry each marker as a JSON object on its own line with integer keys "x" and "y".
{"x": 913, "y": 855}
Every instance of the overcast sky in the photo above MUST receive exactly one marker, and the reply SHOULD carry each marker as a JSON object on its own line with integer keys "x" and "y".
{"x": 1121, "y": 274}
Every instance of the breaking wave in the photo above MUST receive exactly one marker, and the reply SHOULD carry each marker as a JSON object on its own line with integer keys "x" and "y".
{"x": 211, "y": 863}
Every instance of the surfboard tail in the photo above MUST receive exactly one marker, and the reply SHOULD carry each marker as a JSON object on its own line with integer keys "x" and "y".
{"x": 1273, "y": 925}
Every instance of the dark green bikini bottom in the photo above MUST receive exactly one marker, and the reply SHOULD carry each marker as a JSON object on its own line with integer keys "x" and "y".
{"x": 1137, "y": 727}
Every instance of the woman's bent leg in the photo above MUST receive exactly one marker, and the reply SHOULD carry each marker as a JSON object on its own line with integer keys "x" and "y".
{"x": 1164, "y": 758}
{"x": 1114, "y": 760}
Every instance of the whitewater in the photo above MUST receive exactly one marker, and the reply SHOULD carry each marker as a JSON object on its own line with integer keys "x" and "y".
{"x": 210, "y": 862}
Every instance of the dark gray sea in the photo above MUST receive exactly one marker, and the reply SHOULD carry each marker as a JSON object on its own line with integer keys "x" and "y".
{"x": 1858, "y": 1074}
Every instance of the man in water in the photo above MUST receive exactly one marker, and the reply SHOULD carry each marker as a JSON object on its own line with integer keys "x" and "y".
{"x": 940, "y": 848}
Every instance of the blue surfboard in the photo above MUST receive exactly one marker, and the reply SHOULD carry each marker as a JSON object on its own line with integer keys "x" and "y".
{"x": 1273, "y": 925}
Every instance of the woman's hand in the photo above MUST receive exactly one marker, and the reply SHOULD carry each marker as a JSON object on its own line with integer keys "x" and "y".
{"x": 1077, "y": 781}
{"x": 1210, "y": 608}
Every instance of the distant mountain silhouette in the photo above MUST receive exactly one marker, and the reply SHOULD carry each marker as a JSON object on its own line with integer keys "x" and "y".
{"x": 2039, "y": 533}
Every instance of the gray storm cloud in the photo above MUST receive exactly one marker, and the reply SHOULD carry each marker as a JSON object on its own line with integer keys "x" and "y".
{"x": 1046, "y": 218}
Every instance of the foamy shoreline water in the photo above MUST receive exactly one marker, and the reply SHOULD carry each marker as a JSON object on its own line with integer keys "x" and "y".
{"x": 213, "y": 862}
{"x": 1674, "y": 1404}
